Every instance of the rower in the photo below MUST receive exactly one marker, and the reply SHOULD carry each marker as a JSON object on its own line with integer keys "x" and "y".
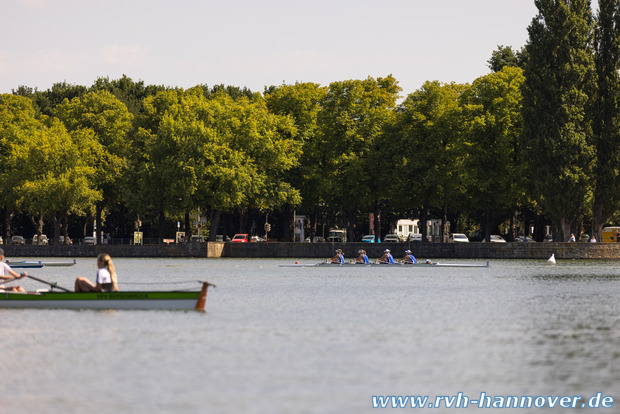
{"x": 362, "y": 258}
{"x": 409, "y": 258}
{"x": 338, "y": 258}
{"x": 386, "y": 258}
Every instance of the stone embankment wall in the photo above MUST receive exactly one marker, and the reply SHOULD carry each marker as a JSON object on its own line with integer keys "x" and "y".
{"x": 325, "y": 250}
{"x": 429, "y": 250}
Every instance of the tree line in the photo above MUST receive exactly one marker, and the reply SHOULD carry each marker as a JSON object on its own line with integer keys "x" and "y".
{"x": 534, "y": 143}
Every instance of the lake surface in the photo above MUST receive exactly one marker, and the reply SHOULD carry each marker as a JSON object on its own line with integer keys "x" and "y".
{"x": 317, "y": 340}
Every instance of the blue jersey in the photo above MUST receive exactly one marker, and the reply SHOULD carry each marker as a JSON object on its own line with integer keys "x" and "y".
{"x": 340, "y": 258}
{"x": 365, "y": 259}
{"x": 389, "y": 259}
{"x": 411, "y": 258}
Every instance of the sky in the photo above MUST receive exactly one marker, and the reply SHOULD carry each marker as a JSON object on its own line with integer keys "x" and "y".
{"x": 254, "y": 43}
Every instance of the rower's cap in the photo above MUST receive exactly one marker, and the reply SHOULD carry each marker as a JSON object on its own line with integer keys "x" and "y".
{"x": 386, "y": 251}
{"x": 407, "y": 251}
{"x": 359, "y": 251}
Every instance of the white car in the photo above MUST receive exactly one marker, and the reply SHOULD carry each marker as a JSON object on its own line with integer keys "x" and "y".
{"x": 458, "y": 238}
{"x": 495, "y": 239}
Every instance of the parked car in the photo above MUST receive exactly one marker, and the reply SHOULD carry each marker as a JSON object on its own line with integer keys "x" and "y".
{"x": 414, "y": 237}
{"x": 548, "y": 238}
{"x": 62, "y": 240}
{"x": 391, "y": 238}
{"x": 35, "y": 239}
{"x": 257, "y": 239}
{"x": 524, "y": 239}
{"x": 317, "y": 239}
{"x": 241, "y": 238}
{"x": 369, "y": 238}
{"x": 91, "y": 241}
{"x": 458, "y": 238}
{"x": 495, "y": 238}
{"x": 18, "y": 240}
{"x": 197, "y": 239}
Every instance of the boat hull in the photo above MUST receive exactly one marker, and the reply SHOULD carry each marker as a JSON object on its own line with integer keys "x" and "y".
{"x": 393, "y": 265}
{"x": 100, "y": 300}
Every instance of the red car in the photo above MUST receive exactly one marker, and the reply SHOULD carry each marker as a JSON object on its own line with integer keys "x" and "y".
{"x": 241, "y": 238}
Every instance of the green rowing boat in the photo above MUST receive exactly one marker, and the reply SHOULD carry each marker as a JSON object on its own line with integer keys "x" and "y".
{"x": 112, "y": 300}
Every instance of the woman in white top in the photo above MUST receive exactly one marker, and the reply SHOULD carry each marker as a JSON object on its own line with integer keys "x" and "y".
{"x": 6, "y": 273}
{"x": 106, "y": 277}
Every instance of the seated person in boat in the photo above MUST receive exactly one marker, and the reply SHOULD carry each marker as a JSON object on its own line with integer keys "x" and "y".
{"x": 338, "y": 258}
{"x": 409, "y": 258}
{"x": 6, "y": 273}
{"x": 106, "y": 280}
{"x": 387, "y": 257}
{"x": 362, "y": 258}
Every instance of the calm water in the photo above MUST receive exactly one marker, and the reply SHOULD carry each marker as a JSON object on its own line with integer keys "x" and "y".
{"x": 317, "y": 340}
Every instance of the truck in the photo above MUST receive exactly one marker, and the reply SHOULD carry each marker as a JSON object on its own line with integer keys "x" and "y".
{"x": 337, "y": 235}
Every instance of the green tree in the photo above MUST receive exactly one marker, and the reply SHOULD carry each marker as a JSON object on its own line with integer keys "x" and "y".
{"x": 221, "y": 153}
{"x": 606, "y": 125}
{"x": 301, "y": 102}
{"x": 491, "y": 121}
{"x": 59, "y": 178}
{"x": 17, "y": 124}
{"x": 352, "y": 117}
{"x": 504, "y": 56}
{"x": 109, "y": 120}
{"x": 429, "y": 143}
{"x": 559, "y": 81}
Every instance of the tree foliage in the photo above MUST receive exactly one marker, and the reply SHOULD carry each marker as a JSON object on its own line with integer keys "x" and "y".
{"x": 557, "y": 128}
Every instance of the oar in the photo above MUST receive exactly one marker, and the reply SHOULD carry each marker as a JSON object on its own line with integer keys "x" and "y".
{"x": 53, "y": 285}
{"x": 10, "y": 280}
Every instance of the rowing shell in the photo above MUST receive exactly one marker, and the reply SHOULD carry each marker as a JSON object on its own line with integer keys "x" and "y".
{"x": 397, "y": 265}
{"x": 112, "y": 300}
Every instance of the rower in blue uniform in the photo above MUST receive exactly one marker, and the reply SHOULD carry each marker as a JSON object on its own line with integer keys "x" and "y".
{"x": 386, "y": 258}
{"x": 409, "y": 258}
{"x": 338, "y": 258}
{"x": 362, "y": 258}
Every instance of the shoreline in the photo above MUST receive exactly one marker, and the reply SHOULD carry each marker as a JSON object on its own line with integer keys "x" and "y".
{"x": 471, "y": 250}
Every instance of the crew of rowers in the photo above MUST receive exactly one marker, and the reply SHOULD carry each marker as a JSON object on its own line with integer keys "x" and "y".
{"x": 387, "y": 257}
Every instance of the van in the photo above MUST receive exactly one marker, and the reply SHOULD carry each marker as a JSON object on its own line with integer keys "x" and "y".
{"x": 610, "y": 234}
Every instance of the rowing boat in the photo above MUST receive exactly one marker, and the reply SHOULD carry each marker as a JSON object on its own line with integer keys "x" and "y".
{"x": 50, "y": 299}
{"x": 395, "y": 265}
{"x": 37, "y": 264}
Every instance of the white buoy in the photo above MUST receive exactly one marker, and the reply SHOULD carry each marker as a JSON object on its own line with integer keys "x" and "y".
{"x": 551, "y": 260}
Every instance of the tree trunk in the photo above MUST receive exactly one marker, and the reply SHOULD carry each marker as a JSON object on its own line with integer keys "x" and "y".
{"x": 214, "y": 219}
{"x": 376, "y": 225}
{"x": 597, "y": 218}
{"x": 564, "y": 229}
{"x": 38, "y": 226}
{"x": 444, "y": 225}
{"x": 8, "y": 216}
{"x": 98, "y": 222}
{"x": 488, "y": 222}
{"x": 423, "y": 224}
